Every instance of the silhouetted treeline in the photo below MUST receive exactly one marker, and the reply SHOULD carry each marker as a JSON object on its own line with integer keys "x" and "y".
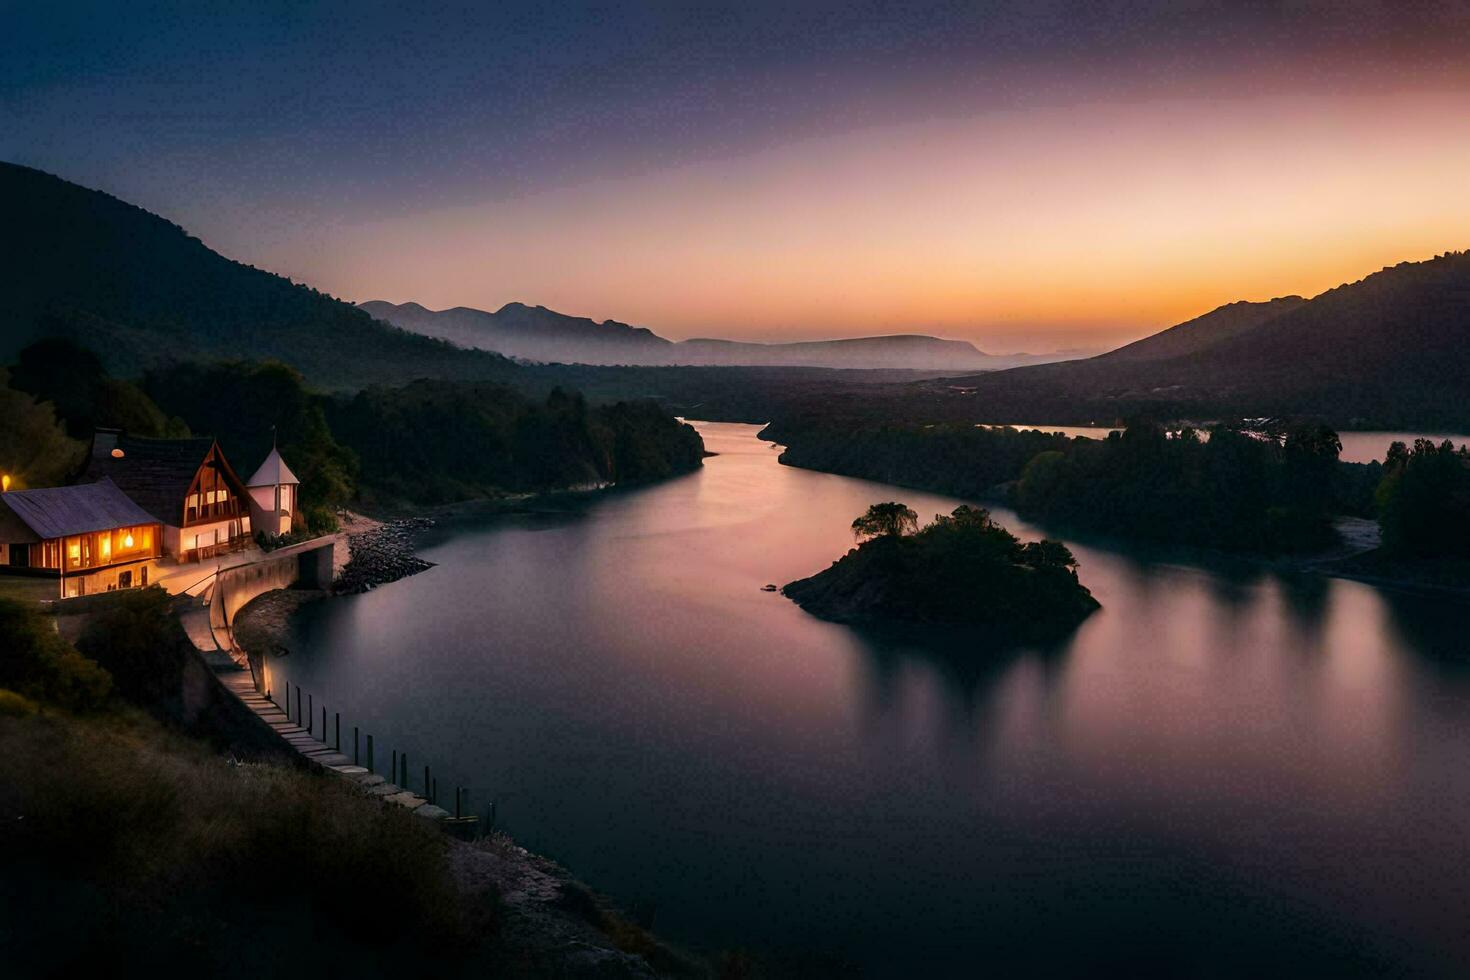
{"x": 960, "y": 459}
{"x": 1424, "y": 500}
{"x": 436, "y": 441}
{"x": 1235, "y": 490}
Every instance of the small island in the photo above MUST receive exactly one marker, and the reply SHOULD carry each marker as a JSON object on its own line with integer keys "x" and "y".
{"x": 961, "y": 570}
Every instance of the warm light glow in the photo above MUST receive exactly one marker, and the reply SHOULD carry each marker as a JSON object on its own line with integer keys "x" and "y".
{"x": 4, "y": 483}
{"x": 118, "y": 454}
{"x": 127, "y": 541}
{"x": 1091, "y": 224}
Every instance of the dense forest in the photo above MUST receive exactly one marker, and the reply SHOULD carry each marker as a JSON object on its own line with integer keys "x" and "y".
{"x": 430, "y": 442}
{"x": 961, "y": 569}
{"x": 1235, "y": 490}
{"x": 955, "y": 458}
{"x": 433, "y": 441}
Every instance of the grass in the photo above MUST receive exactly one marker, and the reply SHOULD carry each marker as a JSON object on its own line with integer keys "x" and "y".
{"x": 121, "y": 841}
{"x": 28, "y": 588}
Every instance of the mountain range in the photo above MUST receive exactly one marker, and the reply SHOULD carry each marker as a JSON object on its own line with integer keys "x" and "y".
{"x": 1391, "y": 349}
{"x": 536, "y": 333}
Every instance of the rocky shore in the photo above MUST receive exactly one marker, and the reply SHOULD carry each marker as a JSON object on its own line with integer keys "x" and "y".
{"x": 381, "y": 553}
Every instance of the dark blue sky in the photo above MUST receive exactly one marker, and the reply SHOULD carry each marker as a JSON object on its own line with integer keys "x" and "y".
{"x": 243, "y": 120}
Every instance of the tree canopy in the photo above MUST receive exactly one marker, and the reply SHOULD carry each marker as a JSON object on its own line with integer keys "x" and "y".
{"x": 890, "y": 519}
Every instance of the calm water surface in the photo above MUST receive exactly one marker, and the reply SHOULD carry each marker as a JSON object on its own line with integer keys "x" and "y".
{"x": 1227, "y": 768}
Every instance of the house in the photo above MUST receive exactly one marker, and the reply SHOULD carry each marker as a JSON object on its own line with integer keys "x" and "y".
{"x": 91, "y": 537}
{"x": 273, "y": 496}
{"x": 187, "y": 486}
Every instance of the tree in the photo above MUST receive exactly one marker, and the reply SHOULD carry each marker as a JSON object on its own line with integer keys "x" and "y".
{"x": 887, "y": 520}
{"x": 1424, "y": 500}
{"x": 34, "y": 449}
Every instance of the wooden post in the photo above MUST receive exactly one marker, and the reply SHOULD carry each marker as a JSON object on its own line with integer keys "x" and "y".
{"x": 354, "y": 746}
{"x": 288, "y": 700}
{"x": 370, "y": 755}
{"x": 298, "y": 704}
{"x": 310, "y": 713}
{"x": 427, "y": 795}
{"x": 393, "y": 778}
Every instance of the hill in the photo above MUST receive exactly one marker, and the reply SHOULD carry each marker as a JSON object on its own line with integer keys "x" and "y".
{"x": 1388, "y": 350}
{"x": 538, "y": 334}
{"x": 1193, "y": 336}
{"x": 143, "y": 293}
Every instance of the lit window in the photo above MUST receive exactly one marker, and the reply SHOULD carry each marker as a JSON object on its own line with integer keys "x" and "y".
{"x": 106, "y": 546}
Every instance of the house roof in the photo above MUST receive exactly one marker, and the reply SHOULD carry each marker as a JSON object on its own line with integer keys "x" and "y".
{"x": 273, "y": 472}
{"x": 55, "y": 512}
{"x": 156, "y": 473}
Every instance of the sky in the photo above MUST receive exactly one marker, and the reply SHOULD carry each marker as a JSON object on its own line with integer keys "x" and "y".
{"x": 1029, "y": 176}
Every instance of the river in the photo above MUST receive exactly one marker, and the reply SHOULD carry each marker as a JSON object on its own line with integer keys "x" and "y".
{"x": 1225, "y": 766}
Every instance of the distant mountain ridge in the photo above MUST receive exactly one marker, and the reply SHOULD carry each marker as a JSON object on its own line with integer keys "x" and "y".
{"x": 538, "y": 334}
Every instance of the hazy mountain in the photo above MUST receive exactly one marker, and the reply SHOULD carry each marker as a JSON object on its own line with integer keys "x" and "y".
{"x": 1392, "y": 348}
{"x": 141, "y": 291}
{"x": 530, "y": 332}
{"x": 538, "y": 334}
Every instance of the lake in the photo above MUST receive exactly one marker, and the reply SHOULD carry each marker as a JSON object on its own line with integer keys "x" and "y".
{"x": 1357, "y": 447}
{"x": 1226, "y": 769}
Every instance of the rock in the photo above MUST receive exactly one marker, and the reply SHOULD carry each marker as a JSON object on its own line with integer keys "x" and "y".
{"x": 768, "y": 587}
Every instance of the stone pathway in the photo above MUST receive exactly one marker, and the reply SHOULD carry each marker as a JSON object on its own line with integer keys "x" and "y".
{"x": 319, "y": 753}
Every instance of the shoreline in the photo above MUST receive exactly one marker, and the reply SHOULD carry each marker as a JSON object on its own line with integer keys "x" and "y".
{"x": 555, "y": 924}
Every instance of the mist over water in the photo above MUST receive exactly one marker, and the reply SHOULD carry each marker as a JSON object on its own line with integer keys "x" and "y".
{"x": 1225, "y": 765}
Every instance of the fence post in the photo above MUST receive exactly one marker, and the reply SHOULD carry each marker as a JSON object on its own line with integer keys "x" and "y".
{"x": 354, "y": 746}
{"x": 370, "y": 755}
{"x": 394, "y": 777}
{"x": 310, "y": 714}
{"x": 323, "y": 735}
{"x": 427, "y": 794}
{"x": 288, "y": 700}
{"x": 298, "y": 705}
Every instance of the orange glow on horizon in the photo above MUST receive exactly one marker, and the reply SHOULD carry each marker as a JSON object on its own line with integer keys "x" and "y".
{"x": 1081, "y": 225}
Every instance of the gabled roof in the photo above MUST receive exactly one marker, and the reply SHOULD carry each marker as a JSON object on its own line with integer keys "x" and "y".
{"x": 156, "y": 473}
{"x": 273, "y": 472}
{"x": 55, "y": 512}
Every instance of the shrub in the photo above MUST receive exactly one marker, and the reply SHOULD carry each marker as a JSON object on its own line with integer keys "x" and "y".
{"x": 136, "y": 639}
{"x": 321, "y": 519}
{"x": 38, "y": 664}
{"x": 12, "y": 705}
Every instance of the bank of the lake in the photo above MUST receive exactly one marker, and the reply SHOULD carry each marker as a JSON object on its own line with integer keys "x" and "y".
{"x": 1229, "y": 765}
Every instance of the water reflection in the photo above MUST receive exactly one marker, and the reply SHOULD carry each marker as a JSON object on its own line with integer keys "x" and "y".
{"x": 1225, "y": 767}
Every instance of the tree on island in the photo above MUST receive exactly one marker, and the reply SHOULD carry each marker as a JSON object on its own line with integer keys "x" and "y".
{"x": 961, "y": 570}
{"x": 891, "y": 519}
